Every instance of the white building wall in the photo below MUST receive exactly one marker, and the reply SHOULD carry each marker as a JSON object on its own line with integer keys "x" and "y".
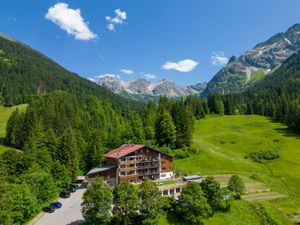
{"x": 167, "y": 175}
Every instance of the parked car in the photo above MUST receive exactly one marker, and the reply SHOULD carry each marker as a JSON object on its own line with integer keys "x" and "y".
{"x": 49, "y": 209}
{"x": 75, "y": 186}
{"x": 57, "y": 205}
{"x": 65, "y": 194}
{"x": 72, "y": 189}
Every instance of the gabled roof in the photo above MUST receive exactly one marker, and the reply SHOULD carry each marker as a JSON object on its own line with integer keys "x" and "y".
{"x": 123, "y": 150}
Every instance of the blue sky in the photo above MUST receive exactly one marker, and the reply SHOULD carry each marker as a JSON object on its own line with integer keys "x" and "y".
{"x": 154, "y": 39}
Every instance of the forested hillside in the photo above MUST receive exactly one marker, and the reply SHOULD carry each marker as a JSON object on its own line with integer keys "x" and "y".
{"x": 26, "y": 73}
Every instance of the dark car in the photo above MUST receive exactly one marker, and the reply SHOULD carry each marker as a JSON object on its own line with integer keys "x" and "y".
{"x": 75, "y": 186}
{"x": 72, "y": 189}
{"x": 65, "y": 194}
{"x": 49, "y": 209}
{"x": 57, "y": 205}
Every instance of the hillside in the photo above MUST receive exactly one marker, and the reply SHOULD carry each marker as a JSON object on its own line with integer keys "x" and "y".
{"x": 26, "y": 73}
{"x": 225, "y": 141}
{"x": 263, "y": 59}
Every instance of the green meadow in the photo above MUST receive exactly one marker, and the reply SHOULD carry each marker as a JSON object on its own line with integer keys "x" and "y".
{"x": 223, "y": 143}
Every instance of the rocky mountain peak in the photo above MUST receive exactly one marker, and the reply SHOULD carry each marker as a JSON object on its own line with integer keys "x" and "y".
{"x": 139, "y": 86}
{"x": 250, "y": 67}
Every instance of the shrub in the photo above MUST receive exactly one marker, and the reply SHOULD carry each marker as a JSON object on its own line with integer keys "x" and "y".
{"x": 263, "y": 155}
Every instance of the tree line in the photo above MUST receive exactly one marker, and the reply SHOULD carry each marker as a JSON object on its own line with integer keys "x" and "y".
{"x": 143, "y": 204}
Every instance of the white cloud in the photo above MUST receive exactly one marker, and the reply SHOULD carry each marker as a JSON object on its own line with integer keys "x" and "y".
{"x": 92, "y": 79}
{"x": 111, "y": 27}
{"x": 149, "y": 76}
{"x": 219, "y": 58}
{"x": 118, "y": 19}
{"x": 120, "y": 14}
{"x": 186, "y": 65}
{"x": 127, "y": 71}
{"x": 108, "y": 75}
{"x": 100, "y": 56}
{"x": 70, "y": 20}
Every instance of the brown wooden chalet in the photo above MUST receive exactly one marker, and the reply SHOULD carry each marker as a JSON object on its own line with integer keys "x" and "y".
{"x": 133, "y": 163}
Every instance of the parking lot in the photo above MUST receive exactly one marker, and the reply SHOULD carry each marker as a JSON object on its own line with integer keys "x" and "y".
{"x": 70, "y": 213}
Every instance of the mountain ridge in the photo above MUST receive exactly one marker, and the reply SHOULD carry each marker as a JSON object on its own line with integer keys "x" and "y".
{"x": 243, "y": 71}
{"x": 140, "y": 86}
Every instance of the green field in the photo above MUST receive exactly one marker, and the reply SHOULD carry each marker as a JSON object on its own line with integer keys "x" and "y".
{"x": 225, "y": 141}
{"x": 4, "y": 116}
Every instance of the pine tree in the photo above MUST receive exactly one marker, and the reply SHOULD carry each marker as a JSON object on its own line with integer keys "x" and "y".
{"x": 165, "y": 131}
{"x": 68, "y": 152}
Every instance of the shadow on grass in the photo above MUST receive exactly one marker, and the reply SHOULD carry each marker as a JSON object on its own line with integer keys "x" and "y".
{"x": 2, "y": 140}
{"x": 285, "y": 131}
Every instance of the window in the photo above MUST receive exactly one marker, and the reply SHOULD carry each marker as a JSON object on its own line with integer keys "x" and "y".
{"x": 163, "y": 175}
{"x": 177, "y": 190}
{"x": 171, "y": 191}
{"x": 165, "y": 193}
{"x": 123, "y": 173}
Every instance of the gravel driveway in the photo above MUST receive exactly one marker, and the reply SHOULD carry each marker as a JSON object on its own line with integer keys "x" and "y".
{"x": 69, "y": 213}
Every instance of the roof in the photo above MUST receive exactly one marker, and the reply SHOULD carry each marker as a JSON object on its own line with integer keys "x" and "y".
{"x": 192, "y": 177}
{"x": 123, "y": 150}
{"x": 98, "y": 170}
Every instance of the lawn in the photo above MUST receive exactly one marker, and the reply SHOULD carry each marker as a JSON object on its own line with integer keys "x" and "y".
{"x": 225, "y": 141}
{"x": 166, "y": 182}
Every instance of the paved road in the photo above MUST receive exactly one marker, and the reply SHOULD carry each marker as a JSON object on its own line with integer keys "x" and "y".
{"x": 70, "y": 213}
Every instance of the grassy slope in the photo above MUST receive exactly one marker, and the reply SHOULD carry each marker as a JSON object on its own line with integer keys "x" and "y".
{"x": 4, "y": 116}
{"x": 225, "y": 141}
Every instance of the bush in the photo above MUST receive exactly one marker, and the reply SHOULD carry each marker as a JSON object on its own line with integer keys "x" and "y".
{"x": 184, "y": 152}
{"x": 263, "y": 155}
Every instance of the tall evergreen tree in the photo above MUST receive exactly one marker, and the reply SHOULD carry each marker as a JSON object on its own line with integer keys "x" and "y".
{"x": 165, "y": 130}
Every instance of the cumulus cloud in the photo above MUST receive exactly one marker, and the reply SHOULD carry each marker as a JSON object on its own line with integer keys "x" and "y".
{"x": 120, "y": 14}
{"x": 127, "y": 71}
{"x": 219, "y": 58}
{"x": 149, "y": 76}
{"x": 111, "y": 27}
{"x": 92, "y": 79}
{"x": 118, "y": 19}
{"x": 71, "y": 21}
{"x": 186, "y": 65}
{"x": 109, "y": 75}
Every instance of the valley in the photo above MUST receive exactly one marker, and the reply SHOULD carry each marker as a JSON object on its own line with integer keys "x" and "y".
{"x": 153, "y": 113}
